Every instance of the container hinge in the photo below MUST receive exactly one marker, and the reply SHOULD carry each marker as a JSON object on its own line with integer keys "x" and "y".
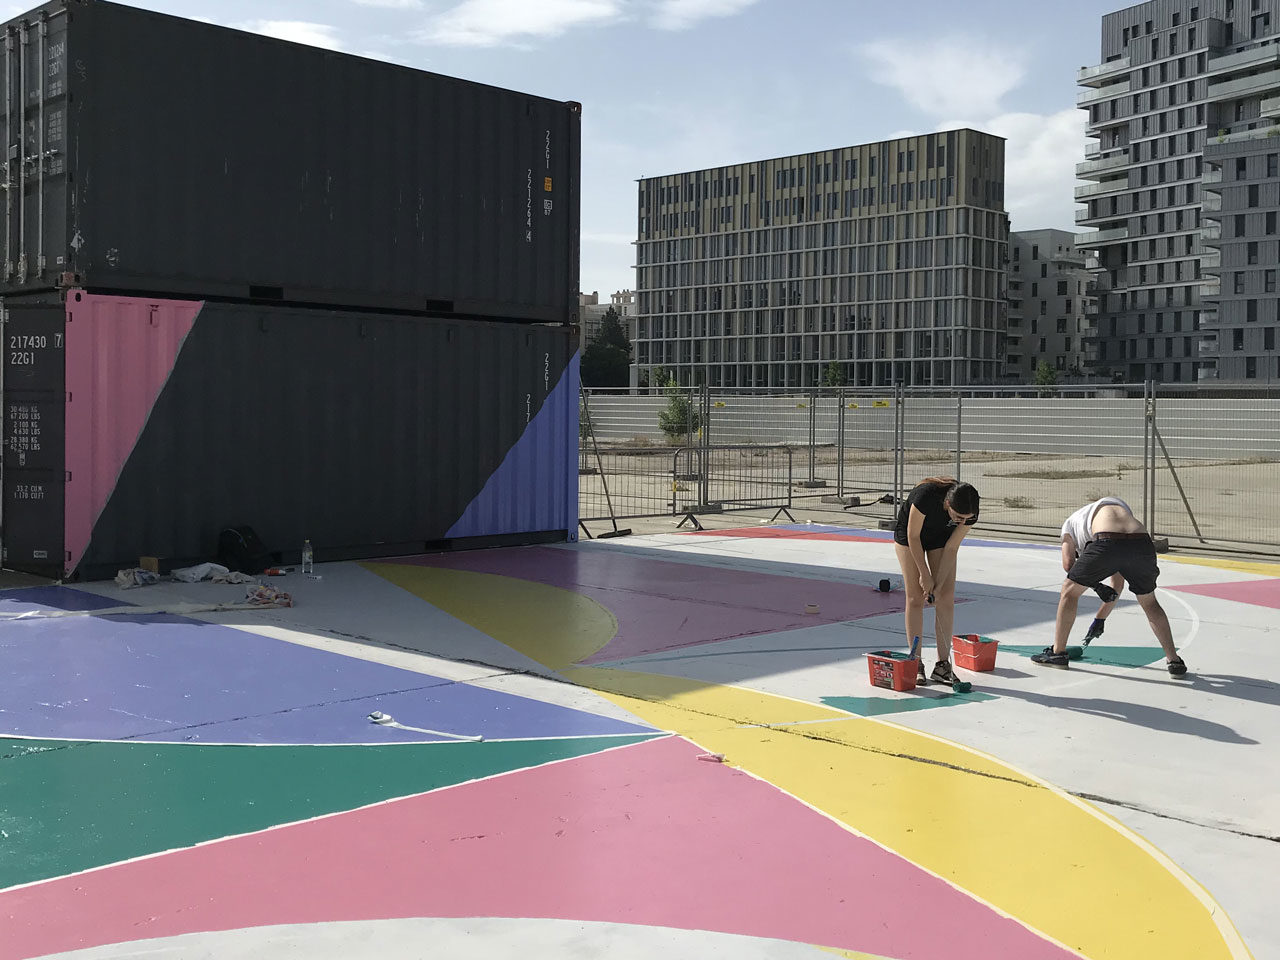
{"x": 68, "y": 477}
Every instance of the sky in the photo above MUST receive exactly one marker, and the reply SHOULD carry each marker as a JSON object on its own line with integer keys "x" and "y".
{"x": 674, "y": 85}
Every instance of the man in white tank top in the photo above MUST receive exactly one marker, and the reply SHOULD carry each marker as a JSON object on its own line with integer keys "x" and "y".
{"x": 1077, "y": 533}
{"x": 1101, "y": 540}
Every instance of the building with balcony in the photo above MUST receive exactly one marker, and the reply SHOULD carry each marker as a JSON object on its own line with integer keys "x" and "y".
{"x": 885, "y": 261}
{"x": 1183, "y": 111}
{"x": 1049, "y": 300}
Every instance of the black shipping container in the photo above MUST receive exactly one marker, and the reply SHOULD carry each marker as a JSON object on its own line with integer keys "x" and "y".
{"x": 148, "y": 153}
{"x": 145, "y": 426}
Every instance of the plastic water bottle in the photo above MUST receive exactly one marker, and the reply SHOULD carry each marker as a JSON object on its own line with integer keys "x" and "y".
{"x": 307, "y": 565}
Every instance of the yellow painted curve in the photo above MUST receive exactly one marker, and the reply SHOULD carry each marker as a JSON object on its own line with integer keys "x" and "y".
{"x": 1008, "y": 839}
{"x": 550, "y": 625}
{"x": 1240, "y": 566}
{"x": 1027, "y": 849}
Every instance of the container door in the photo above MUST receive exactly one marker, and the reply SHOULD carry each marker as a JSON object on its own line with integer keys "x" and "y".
{"x": 34, "y": 116}
{"x": 32, "y": 476}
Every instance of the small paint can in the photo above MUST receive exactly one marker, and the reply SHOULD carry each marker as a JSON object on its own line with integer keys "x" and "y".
{"x": 810, "y": 608}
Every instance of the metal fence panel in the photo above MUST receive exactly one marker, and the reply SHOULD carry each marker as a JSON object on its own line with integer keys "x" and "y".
{"x": 1198, "y": 466}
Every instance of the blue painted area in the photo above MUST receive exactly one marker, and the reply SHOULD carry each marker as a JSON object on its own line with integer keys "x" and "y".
{"x": 536, "y": 486}
{"x": 161, "y": 677}
{"x": 888, "y": 535}
{"x": 31, "y": 599}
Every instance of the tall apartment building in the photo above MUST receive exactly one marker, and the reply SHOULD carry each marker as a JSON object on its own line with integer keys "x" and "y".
{"x": 1183, "y": 105}
{"x": 887, "y": 259}
{"x": 1049, "y": 293}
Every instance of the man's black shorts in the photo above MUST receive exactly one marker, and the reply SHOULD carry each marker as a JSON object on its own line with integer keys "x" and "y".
{"x": 1133, "y": 558}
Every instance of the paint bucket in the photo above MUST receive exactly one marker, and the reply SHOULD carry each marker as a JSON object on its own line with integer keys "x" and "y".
{"x": 973, "y": 652}
{"x": 892, "y": 670}
{"x": 810, "y": 608}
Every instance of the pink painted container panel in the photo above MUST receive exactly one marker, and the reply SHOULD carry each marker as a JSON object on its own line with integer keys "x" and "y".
{"x": 120, "y": 352}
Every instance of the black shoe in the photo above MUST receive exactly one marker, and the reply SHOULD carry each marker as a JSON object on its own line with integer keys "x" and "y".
{"x": 1095, "y": 631}
{"x": 942, "y": 672}
{"x": 1050, "y": 659}
{"x": 1177, "y": 668}
{"x": 1105, "y": 593}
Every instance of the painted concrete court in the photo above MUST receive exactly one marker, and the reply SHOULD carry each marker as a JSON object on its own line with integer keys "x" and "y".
{"x": 180, "y": 781}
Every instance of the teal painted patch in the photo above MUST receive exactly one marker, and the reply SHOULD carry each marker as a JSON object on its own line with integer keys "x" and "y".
{"x": 1101, "y": 655}
{"x": 69, "y": 805}
{"x": 880, "y": 706}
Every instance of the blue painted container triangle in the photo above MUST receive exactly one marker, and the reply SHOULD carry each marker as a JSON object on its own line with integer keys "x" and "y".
{"x": 536, "y": 487}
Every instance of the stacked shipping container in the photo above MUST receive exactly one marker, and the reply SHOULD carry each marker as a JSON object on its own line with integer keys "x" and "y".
{"x": 248, "y": 281}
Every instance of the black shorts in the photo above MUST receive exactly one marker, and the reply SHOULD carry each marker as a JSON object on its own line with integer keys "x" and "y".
{"x": 1134, "y": 558}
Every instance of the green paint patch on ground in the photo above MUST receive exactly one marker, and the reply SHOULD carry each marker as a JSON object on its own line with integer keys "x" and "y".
{"x": 70, "y": 806}
{"x": 1101, "y": 655}
{"x": 880, "y": 706}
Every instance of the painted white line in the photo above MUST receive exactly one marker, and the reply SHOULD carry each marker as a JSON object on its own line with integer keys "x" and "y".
{"x": 323, "y": 816}
{"x": 380, "y": 743}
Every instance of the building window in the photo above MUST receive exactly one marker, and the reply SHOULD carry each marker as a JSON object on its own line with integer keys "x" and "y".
{"x": 1269, "y": 338}
{"x": 1268, "y": 281}
{"x": 1237, "y": 339}
{"x": 1252, "y": 252}
{"x": 1238, "y": 282}
{"x": 1251, "y": 368}
{"x": 1251, "y": 311}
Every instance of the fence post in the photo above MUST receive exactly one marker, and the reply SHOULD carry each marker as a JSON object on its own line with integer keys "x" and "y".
{"x": 959, "y": 404}
{"x": 840, "y": 445}
{"x": 704, "y": 402}
{"x": 1146, "y": 455}
{"x": 900, "y": 447}
{"x": 1161, "y": 543}
{"x": 813, "y": 435}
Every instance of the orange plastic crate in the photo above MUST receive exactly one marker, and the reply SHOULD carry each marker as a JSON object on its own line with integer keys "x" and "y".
{"x": 974, "y": 652}
{"x": 895, "y": 671}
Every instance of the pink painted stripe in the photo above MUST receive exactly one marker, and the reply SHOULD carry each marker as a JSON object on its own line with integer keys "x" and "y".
{"x": 642, "y": 835}
{"x": 119, "y": 354}
{"x": 1263, "y": 593}
{"x": 661, "y": 605}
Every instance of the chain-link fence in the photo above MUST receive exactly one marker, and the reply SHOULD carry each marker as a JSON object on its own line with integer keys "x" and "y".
{"x": 1197, "y": 464}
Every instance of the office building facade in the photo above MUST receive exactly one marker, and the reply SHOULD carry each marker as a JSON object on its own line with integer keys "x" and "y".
{"x": 1049, "y": 296}
{"x": 1184, "y": 106}
{"x": 881, "y": 263}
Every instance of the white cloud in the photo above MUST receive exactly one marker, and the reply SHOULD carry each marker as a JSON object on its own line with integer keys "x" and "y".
{"x": 1041, "y": 153}
{"x": 948, "y": 76}
{"x": 682, "y": 14}
{"x": 491, "y": 23}
{"x": 299, "y": 31}
{"x": 390, "y": 4}
{"x": 963, "y": 77}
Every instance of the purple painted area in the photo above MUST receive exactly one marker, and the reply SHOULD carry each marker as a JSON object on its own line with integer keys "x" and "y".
{"x": 119, "y": 354}
{"x": 156, "y": 677}
{"x": 29, "y": 599}
{"x": 536, "y": 486}
{"x": 663, "y": 605}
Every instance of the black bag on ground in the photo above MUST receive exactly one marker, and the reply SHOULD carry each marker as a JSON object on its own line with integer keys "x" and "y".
{"x": 241, "y": 549}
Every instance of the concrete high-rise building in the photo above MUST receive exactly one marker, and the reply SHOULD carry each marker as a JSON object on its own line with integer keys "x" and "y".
{"x": 1185, "y": 106}
{"x": 1049, "y": 291}
{"x": 886, "y": 259}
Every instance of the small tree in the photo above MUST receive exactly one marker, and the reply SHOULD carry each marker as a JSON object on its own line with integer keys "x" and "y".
{"x": 1046, "y": 377}
{"x": 606, "y": 360}
{"x": 833, "y": 376}
{"x": 679, "y": 418}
